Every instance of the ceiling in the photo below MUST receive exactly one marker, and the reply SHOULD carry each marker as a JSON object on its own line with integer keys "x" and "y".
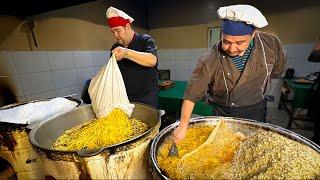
{"x": 27, "y": 8}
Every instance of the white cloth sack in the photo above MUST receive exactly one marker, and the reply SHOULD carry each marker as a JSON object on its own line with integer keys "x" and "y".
{"x": 35, "y": 112}
{"x": 245, "y": 13}
{"x": 107, "y": 91}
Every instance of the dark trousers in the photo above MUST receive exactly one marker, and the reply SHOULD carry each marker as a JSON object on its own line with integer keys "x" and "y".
{"x": 254, "y": 112}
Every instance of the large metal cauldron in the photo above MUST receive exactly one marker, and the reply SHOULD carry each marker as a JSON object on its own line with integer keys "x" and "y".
{"x": 122, "y": 160}
{"x": 245, "y": 126}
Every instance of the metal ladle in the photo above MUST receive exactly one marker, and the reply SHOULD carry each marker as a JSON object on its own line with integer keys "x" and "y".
{"x": 173, "y": 151}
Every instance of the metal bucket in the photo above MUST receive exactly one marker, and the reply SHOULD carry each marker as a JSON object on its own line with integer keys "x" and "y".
{"x": 95, "y": 163}
{"x": 246, "y": 126}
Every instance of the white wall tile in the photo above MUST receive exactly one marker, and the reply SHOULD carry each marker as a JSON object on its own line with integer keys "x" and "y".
{"x": 17, "y": 85}
{"x": 64, "y": 78}
{"x": 182, "y": 75}
{"x": 317, "y": 67}
{"x": 21, "y": 99}
{"x": 291, "y": 63}
{"x": 298, "y": 51}
{"x": 83, "y": 74}
{"x": 160, "y": 57}
{"x": 160, "y": 52}
{"x": 182, "y": 53}
{"x": 297, "y": 56}
{"x": 83, "y": 58}
{"x": 7, "y": 66}
{"x": 100, "y": 57}
{"x": 67, "y": 91}
{"x": 40, "y": 96}
{"x": 190, "y": 74}
{"x": 173, "y": 75}
{"x": 183, "y": 63}
{"x": 97, "y": 69}
{"x": 30, "y": 62}
{"x": 302, "y": 67}
{"x": 60, "y": 60}
{"x": 166, "y": 64}
{"x": 197, "y": 52}
{"x": 170, "y": 53}
{"x": 36, "y": 82}
{"x": 193, "y": 64}
{"x": 80, "y": 89}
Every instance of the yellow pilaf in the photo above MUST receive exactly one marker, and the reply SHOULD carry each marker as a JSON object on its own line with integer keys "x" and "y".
{"x": 195, "y": 136}
{"x": 115, "y": 128}
{"x": 213, "y": 157}
{"x": 260, "y": 155}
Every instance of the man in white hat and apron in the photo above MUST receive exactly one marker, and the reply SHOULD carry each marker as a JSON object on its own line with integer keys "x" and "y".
{"x": 136, "y": 55}
{"x": 234, "y": 74}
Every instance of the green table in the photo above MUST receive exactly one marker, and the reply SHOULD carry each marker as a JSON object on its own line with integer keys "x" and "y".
{"x": 301, "y": 93}
{"x": 171, "y": 99}
{"x": 301, "y": 97}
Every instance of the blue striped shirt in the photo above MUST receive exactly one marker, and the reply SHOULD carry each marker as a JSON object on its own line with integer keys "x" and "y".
{"x": 240, "y": 61}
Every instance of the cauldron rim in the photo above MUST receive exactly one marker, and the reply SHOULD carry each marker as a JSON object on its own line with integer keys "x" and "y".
{"x": 214, "y": 119}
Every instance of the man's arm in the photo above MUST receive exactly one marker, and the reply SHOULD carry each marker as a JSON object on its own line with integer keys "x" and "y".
{"x": 186, "y": 111}
{"x": 142, "y": 58}
{"x": 147, "y": 57}
{"x": 196, "y": 89}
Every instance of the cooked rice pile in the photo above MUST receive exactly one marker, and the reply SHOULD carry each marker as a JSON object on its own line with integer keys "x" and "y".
{"x": 115, "y": 128}
{"x": 268, "y": 155}
{"x": 263, "y": 155}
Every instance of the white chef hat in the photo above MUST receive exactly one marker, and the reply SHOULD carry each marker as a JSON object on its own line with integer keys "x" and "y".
{"x": 245, "y": 13}
{"x": 116, "y": 17}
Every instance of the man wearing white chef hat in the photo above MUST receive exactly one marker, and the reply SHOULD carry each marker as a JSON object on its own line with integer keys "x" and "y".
{"x": 234, "y": 74}
{"x": 136, "y": 55}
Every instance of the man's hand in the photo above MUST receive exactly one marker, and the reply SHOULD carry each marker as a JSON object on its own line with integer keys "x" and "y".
{"x": 179, "y": 134}
{"x": 119, "y": 53}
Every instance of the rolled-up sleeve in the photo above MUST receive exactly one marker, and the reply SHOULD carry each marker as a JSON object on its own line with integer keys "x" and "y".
{"x": 200, "y": 79}
{"x": 150, "y": 45}
{"x": 281, "y": 60}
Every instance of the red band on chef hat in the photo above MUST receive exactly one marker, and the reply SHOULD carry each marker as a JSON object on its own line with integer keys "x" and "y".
{"x": 117, "y": 21}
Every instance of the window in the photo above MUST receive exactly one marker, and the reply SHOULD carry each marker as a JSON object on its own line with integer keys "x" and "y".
{"x": 214, "y": 35}
{"x": 164, "y": 74}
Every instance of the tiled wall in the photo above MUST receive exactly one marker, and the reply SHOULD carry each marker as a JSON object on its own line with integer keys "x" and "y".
{"x": 181, "y": 62}
{"x": 46, "y": 74}
{"x": 297, "y": 56}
